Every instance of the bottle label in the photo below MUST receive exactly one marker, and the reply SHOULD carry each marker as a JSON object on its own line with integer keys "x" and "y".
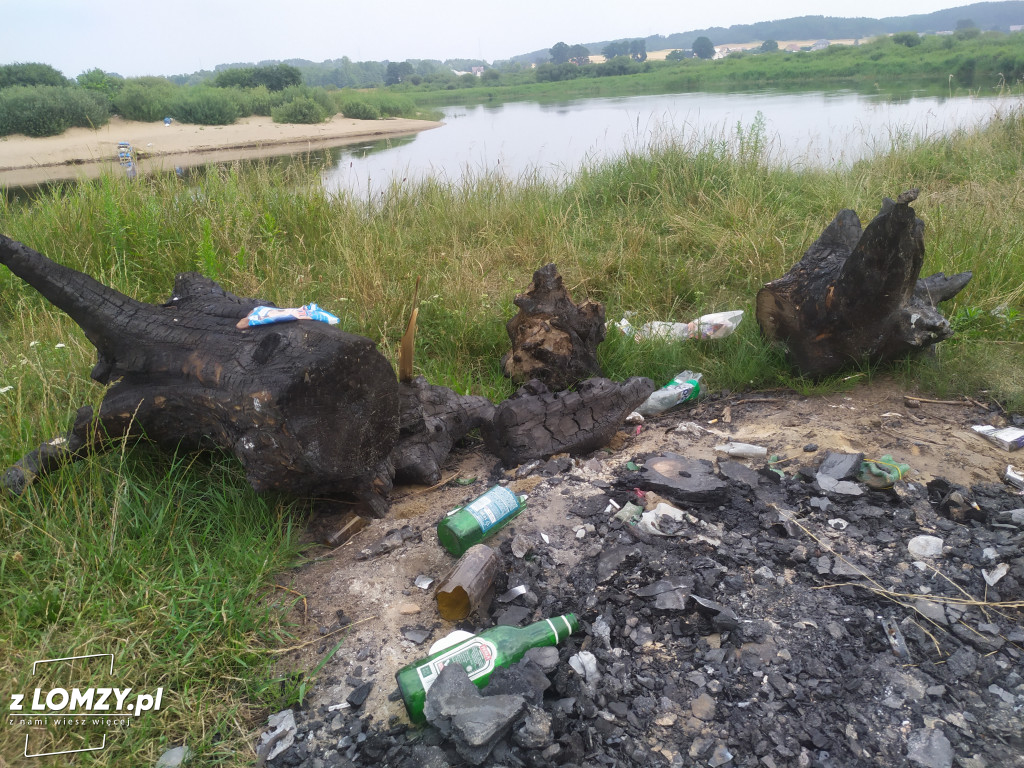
{"x": 493, "y": 507}
{"x": 477, "y": 656}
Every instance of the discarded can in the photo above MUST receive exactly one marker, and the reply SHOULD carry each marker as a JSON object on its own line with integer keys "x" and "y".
{"x": 480, "y": 655}
{"x": 482, "y": 517}
{"x": 469, "y": 585}
{"x": 1013, "y": 477}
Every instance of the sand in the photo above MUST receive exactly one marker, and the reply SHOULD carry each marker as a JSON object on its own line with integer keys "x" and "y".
{"x": 84, "y": 152}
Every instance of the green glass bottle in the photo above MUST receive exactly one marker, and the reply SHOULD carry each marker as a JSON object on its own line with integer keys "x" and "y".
{"x": 482, "y": 517}
{"x": 480, "y": 655}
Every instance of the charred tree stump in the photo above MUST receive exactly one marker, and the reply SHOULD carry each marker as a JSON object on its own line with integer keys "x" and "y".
{"x": 433, "y": 419}
{"x": 308, "y": 409}
{"x": 536, "y": 423}
{"x": 553, "y": 339}
{"x": 855, "y": 295}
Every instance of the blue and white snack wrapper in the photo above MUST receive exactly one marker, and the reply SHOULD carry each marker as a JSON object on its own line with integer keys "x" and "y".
{"x": 268, "y": 315}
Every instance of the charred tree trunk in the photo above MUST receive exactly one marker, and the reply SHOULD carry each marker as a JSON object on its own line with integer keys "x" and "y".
{"x": 535, "y": 423}
{"x": 307, "y": 408}
{"x": 433, "y": 419}
{"x": 856, "y": 295}
{"x": 554, "y": 340}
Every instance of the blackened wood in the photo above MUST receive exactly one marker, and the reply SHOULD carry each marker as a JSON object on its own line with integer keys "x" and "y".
{"x": 433, "y": 419}
{"x": 307, "y": 408}
{"x": 554, "y": 340}
{"x": 536, "y": 423}
{"x": 855, "y": 295}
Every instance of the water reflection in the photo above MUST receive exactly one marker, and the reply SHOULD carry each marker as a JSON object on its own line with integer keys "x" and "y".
{"x": 554, "y": 140}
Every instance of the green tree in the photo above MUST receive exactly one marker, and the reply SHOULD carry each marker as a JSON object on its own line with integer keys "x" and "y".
{"x": 398, "y": 72}
{"x": 276, "y": 77}
{"x": 105, "y": 83}
{"x": 909, "y": 39}
{"x": 579, "y": 55}
{"x": 704, "y": 48}
{"x": 677, "y": 55}
{"x": 638, "y": 50}
{"x": 619, "y": 48}
{"x": 769, "y": 46}
{"x": 559, "y": 53}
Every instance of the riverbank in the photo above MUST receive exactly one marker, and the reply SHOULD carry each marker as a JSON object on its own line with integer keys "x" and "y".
{"x": 85, "y": 152}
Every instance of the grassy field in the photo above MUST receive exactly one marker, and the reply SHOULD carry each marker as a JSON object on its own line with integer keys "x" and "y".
{"x": 166, "y": 561}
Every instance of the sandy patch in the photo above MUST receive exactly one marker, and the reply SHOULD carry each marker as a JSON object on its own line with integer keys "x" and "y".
{"x": 84, "y": 152}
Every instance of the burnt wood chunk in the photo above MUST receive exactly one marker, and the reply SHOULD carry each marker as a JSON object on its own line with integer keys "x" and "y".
{"x": 433, "y": 419}
{"x": 305, "y": 407}
{"x": 554, "y": 340}
{"x": 536, "y": 423}
{"x": 855, "y": 295}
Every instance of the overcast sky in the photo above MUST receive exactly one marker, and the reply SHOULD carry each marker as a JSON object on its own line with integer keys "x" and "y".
{"x": 156, "y": 37}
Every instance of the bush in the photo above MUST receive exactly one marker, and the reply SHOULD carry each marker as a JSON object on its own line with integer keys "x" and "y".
{"x": 48, "y": 110}
{"x": 146, "y": 102}
{"x": 357, "y": 109}
{"x": 205, "y": 106}
{"x": 299, "y": 110}
{"x": 30, "y": 74}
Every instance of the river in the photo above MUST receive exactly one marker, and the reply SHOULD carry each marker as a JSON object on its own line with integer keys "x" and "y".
{"x": 554, "y": 140}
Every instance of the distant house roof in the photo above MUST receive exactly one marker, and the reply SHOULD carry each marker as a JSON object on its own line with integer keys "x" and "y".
{"x": 820, "y": 44}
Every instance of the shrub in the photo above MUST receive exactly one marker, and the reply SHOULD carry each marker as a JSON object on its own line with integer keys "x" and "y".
{"x": 299, "y": 110}
{"x": 30, "y": 74}
{"x": 206, "y": 106}
{"x": 144, "y": 101}
{"x": 358, "y": 109}
{"x": 48, "y": 110}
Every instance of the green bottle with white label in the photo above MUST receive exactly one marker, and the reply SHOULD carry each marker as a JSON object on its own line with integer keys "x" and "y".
{"x": 482, "y": 517}
{"x": 480, "y": 655}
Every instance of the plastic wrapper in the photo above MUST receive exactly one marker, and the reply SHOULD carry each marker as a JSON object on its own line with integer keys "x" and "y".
{"x": 269, "y": 315}
{"x": 714, "y": 326}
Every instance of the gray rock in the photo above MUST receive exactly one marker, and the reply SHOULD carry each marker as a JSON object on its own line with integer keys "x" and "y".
{"x": 720, "y": 756}
{"x": 739, "y": 473}
{"x": 172, "y": 758}
{"x": 930, "y": 747}
{"x": 840, "y": 466}
{"x": 925, "y": 546}
{"x": 546, "y": 658}
{"x": 535, "y": 732}
{"x": 703, "y": 707}
{"x": 279, "y": 737}
{"x": 455, "y": 706}
{"x": 684, "y": 480}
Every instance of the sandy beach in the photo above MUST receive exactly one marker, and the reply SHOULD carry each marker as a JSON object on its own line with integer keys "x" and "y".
{"x": 84, "y": 152}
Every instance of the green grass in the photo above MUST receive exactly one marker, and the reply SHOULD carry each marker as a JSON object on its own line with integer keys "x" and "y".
{"x": 165, "y": 561}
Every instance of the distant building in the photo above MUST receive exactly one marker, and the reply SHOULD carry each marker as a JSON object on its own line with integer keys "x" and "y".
{"x": 478, "y": 71}
{"x": 820, "y": 45}
{"x": 1016, "y": 27}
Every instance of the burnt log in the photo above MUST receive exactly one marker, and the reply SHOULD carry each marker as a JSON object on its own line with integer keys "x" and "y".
{"x": 536, "y": 423}
{"x": 306, "y": 408}
{"x": 433, "y": 419}
{"x": 855, "y": 295}
{"x": 554, "y": 340}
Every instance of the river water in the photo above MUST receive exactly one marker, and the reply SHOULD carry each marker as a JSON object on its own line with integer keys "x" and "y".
{"x": 553, "y": 140}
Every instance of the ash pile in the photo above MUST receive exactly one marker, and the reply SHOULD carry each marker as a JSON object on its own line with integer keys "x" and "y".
{"x": 733, "y": 613}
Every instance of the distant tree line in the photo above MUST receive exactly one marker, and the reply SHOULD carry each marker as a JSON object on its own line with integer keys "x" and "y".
{"x": 37, "y": 100}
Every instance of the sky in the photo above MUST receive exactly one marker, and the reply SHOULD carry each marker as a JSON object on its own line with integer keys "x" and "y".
{"x": 161, "y": 37}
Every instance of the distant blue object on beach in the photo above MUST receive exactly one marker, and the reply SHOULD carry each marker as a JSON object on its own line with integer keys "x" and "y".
{"x": 168, "y": 121}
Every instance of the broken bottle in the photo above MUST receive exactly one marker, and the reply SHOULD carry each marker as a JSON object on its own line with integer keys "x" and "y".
{"x": 480, "y": 655}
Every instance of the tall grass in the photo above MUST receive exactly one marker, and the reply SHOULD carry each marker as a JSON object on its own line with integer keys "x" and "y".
{"x": 164, "y": 560}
